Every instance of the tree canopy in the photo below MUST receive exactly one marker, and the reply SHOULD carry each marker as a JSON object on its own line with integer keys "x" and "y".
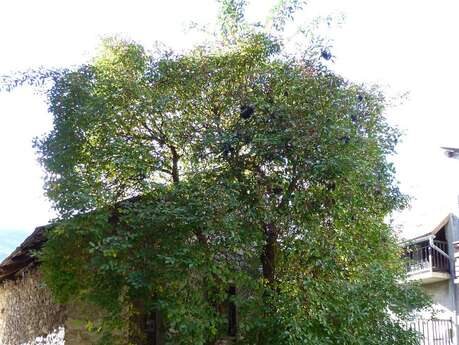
{"x": 235, "y": 164}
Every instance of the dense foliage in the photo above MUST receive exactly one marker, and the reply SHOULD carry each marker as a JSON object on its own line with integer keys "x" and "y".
{"x": 178, "y": 175}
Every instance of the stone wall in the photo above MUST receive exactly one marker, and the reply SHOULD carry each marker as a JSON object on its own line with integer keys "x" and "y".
{"x": 28, "y": 314}
{"x": 54, "y": 338}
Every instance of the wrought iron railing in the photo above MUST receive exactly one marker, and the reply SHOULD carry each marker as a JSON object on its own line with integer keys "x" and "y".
{"x": 433, "y": 332}
{"x": 427, "y": 258}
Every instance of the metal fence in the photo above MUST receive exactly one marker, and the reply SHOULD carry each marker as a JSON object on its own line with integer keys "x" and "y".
{"x": 433, "y": 332}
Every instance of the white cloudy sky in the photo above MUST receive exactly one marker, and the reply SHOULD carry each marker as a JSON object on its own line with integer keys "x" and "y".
{"x": 408, "y": 45}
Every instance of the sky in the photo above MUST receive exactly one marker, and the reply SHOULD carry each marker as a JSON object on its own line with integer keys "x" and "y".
{"x": 404, "y": 46}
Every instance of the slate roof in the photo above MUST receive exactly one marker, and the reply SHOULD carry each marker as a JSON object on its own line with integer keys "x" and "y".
{"x": 22, "y": 257}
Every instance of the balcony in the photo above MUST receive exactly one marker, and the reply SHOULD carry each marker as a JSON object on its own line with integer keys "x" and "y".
{"x": 428, "y": 261}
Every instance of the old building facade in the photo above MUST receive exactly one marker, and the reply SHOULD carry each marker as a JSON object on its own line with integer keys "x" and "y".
{"x": 28, "y": 313}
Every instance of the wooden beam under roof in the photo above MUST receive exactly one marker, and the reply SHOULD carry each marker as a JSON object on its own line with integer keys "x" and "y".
{"x": 22, "y": 256}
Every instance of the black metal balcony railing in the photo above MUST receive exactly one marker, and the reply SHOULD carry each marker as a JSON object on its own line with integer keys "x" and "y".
{"x": 427, "y": 258}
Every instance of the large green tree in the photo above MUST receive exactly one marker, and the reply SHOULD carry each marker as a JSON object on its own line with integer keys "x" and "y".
{"x": 236, "y": 165}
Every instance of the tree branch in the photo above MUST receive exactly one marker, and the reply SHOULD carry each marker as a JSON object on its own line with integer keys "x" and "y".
{"x": 175, "y": 160}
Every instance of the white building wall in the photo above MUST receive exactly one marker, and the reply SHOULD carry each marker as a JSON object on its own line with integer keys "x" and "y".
{"x": 442, "y": 298}
{"x": 452, "y": 235}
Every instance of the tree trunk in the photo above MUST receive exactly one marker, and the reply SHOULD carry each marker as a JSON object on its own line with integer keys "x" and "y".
{"x": 269, "y": 254}
{"x": 232, "y": 312}
{"x": 269, "y": 260}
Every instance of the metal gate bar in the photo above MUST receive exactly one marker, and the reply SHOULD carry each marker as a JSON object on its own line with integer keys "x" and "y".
{"x": 433, "y": 332}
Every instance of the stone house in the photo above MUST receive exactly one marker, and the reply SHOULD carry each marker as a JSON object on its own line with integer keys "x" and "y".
{"x": 28, "y": 313}
{"x": 30, "y": 316}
